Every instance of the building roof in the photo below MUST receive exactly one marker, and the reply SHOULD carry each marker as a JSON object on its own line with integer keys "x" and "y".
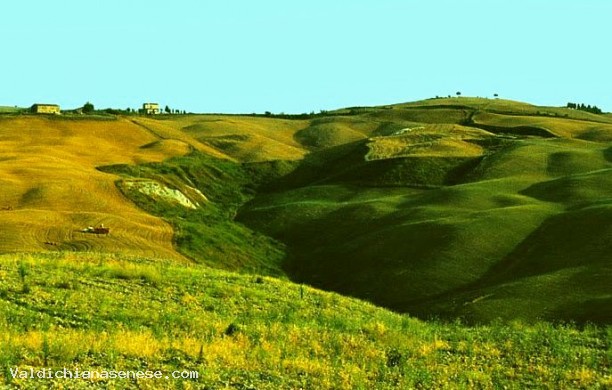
{"x": 45, "y": 104}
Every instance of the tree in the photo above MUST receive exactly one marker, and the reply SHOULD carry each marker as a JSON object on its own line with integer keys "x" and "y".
{"x": 167, "y": 110}
{"x": 582, "y": 107}
{"x": 458, "y": 93}
{"x": 88, "y": 108}
{"x": 495, "y": 95}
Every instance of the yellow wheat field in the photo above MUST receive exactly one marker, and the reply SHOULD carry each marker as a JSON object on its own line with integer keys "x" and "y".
{"x": 50, "y": 188}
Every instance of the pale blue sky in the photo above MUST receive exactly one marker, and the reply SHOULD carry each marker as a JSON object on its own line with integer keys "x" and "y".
{"x": 300, "y": 56}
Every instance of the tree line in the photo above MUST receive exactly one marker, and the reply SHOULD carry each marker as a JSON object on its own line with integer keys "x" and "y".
{"x": 88, "y": 108}
{"x": 583, "y": 107}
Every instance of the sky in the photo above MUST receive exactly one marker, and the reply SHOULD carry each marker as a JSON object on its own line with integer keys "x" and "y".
{"x": 299, "y": 56}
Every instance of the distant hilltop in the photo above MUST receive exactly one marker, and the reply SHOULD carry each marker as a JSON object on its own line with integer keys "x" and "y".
{"x": 154, "y": 108}
{"x": 147, "y": 108}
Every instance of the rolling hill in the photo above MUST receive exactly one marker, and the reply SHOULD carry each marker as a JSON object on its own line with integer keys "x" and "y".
{"x": 420, "y": 207}
{"x": 51, "y": 189}
{"x": 10, "y": 109}
{"x": 424, "y": 219}
{"x": 489, "y": 216}
{"x": 101, "y": 312}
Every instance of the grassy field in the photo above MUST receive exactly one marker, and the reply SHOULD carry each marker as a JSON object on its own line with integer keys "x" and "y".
{"x": 243, "y": 138}
{"x": 206, "y": 232}
{"x": 415, "y": 206}
{"x": 484, "y": 217}
{"x": 465, "y": 206}
{"x": 10, "y": 110}
{"x": 102, "y": 312}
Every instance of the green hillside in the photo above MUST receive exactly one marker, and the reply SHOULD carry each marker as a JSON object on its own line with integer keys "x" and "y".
{"x": 445, "y": 243}
{"x": 207, "y": 233}
{"x": 426, "y": 220}
{"x": 102, "y": 312}
{"x": 429, "y": 208}
{"x": 10, "y": 109}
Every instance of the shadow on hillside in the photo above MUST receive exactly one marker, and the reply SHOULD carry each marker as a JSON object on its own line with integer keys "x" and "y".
{"x": 569, "y": 240}
{"x": 518, "y": 131}
{"x": 608, "y": 154}
{"x": 346, "y": 164}
{"x": 595, "y": 311}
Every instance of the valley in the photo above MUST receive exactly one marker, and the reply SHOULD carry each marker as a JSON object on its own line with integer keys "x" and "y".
{"x": 454, "y": 219}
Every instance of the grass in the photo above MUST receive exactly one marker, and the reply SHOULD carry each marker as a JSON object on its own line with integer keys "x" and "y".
{"x": 430, "y": 244}
{"x": 470, "y": 183}
{"x": 334, "y": 131}
{"x": 506, "y": 107}
{"x": 249, "y": 139}
{"x": 490, "y": 216}
{"x": 564, "y": 127}
{"x": 385, "y": 237}
{"x": 206, "y": 234}
{"x": 436, "y": 203}
{"x": 11, "y": 109}
{"x": 246, "y": 332}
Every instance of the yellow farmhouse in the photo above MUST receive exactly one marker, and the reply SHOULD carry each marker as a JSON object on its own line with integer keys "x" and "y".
{"x": 150, "y": 108}
{"x": 45, "y": 108}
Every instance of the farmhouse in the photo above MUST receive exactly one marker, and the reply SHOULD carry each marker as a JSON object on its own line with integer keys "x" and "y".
{"x": 150, "y": 108}
{"x": 45, "y": 108}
